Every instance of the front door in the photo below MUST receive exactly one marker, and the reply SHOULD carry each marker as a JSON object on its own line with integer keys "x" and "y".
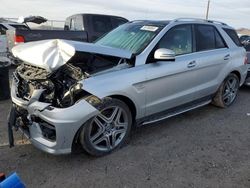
{"x": 170, "y": 83}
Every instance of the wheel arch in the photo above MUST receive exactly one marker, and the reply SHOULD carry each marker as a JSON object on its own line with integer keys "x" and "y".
{"x": 129, "y": 103}
{"x": 237, "y": 73}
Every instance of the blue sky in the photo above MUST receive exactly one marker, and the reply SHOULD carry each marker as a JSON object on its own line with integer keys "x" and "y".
{"x": 234, "y": 12}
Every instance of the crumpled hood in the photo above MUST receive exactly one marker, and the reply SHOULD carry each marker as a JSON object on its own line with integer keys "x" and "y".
{"x": 52, "y": 54}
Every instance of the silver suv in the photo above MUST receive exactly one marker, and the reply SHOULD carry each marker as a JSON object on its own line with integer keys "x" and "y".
{"x": 67, "y": 93}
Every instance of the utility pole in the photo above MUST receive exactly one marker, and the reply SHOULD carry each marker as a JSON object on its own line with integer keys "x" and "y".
{"x": 208, "y": 5}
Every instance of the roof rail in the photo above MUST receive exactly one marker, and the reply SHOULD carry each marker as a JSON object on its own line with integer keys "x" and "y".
{"x": 199, "y": 20}
{"x": 216, "y": 22}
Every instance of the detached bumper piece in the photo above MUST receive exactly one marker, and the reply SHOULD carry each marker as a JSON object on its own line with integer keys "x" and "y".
{"x": 17, "y": 120}
{"x": 11, "y": 124}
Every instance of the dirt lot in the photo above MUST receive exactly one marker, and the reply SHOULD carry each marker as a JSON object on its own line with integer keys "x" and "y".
{"x": 207, "y": 147}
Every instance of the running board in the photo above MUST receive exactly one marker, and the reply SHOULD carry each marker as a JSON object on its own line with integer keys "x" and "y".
{"x": 176, "y": 112}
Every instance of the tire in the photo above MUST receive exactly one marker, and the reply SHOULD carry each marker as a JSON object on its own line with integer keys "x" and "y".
{"x": 227, "y": 92}
{"x": 107, "y": 131}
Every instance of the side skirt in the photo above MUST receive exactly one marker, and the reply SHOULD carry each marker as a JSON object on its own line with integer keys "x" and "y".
{"x": 174, "y": 111}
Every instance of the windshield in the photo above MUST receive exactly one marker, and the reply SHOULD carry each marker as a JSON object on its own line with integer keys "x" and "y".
{"x": 133, "y": 37}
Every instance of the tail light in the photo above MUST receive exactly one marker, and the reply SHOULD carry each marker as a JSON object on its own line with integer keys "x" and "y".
{"x": 19, "y": 39}
{"x": 246, "y": 60}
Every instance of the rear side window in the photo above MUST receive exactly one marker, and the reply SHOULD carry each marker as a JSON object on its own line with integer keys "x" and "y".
{"x": 219, "y": 42}
{"x": 208, "y": 38}
{"x": 101, "y": 24}
{"x": 233, "y": 35}
{"x": 20, "y": 27}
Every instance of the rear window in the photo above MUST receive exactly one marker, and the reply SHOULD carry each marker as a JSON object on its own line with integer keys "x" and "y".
{"x": 20, "y": 27}
{"x": 101, "y": 24}
{"x": 233, "y": 35}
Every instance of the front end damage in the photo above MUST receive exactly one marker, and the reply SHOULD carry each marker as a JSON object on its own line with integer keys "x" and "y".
{"x": 50, "y": 104}
{"x": 51, "y": 129}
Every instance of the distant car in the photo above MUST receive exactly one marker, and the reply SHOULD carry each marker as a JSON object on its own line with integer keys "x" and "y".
{"x": 245, "y": 40}
{"x": 79, "y": 27}
{"x": 68, "y": 92}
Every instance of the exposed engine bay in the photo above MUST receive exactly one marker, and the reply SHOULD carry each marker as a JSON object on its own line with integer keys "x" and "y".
{"x": 62, "y": 87}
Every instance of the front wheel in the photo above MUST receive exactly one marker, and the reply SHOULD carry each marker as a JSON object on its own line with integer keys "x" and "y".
{"x": 108, "y": 130}
{"x": 227, "y": 92}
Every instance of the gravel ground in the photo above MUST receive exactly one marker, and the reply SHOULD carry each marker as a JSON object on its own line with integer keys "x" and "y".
{"x": 206, "y": 147}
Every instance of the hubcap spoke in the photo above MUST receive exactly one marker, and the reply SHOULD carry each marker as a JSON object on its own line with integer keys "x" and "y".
{"x": 232, "y": 84}
{"x": 103, "y": 138}
{"x": 111, "y": 118}
{"x": 100, "y": 130}
{"x": 114, "y": 114}
{"x": 226, "y": 95}
{"x": 121, "y": 125}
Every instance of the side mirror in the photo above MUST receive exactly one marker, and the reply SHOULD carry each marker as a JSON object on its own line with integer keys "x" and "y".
{"x": 164, "y": 54}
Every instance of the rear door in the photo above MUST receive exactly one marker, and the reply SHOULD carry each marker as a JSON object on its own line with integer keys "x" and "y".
{"x": 212, "y": 56}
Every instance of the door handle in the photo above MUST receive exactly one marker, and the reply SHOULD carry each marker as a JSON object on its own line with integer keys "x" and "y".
{"x": 227, "y": 57}
{"x": 191, "y": 64}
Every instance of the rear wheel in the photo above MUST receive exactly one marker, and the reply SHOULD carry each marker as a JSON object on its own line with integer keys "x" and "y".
{"x": 108, "y": 130}
{"x": 227, "y": 92}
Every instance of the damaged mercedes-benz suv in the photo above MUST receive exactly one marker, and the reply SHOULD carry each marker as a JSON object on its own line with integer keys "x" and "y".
{"x": 66, "y": 93}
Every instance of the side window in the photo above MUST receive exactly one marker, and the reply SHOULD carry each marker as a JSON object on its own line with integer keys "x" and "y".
{"x": 101, "y": 24}
{"x": 233, "y": 35}
{"x": 72, "y": 24}
{"x": 2, "y": 30}
{"x": 178, "y": 39}
{"x": 219, "y": 42}
{"x": 79, "y": 24}
{"x": 208, "y": 38}
{"x": 205, "y": 39}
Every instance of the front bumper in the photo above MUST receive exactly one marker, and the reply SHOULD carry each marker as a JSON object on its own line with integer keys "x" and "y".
{"x": 66, "y": 121}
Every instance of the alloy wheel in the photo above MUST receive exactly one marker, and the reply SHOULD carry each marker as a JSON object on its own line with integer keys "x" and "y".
{"x": 108, "y": 128}
{"x": 230, "y": 90}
